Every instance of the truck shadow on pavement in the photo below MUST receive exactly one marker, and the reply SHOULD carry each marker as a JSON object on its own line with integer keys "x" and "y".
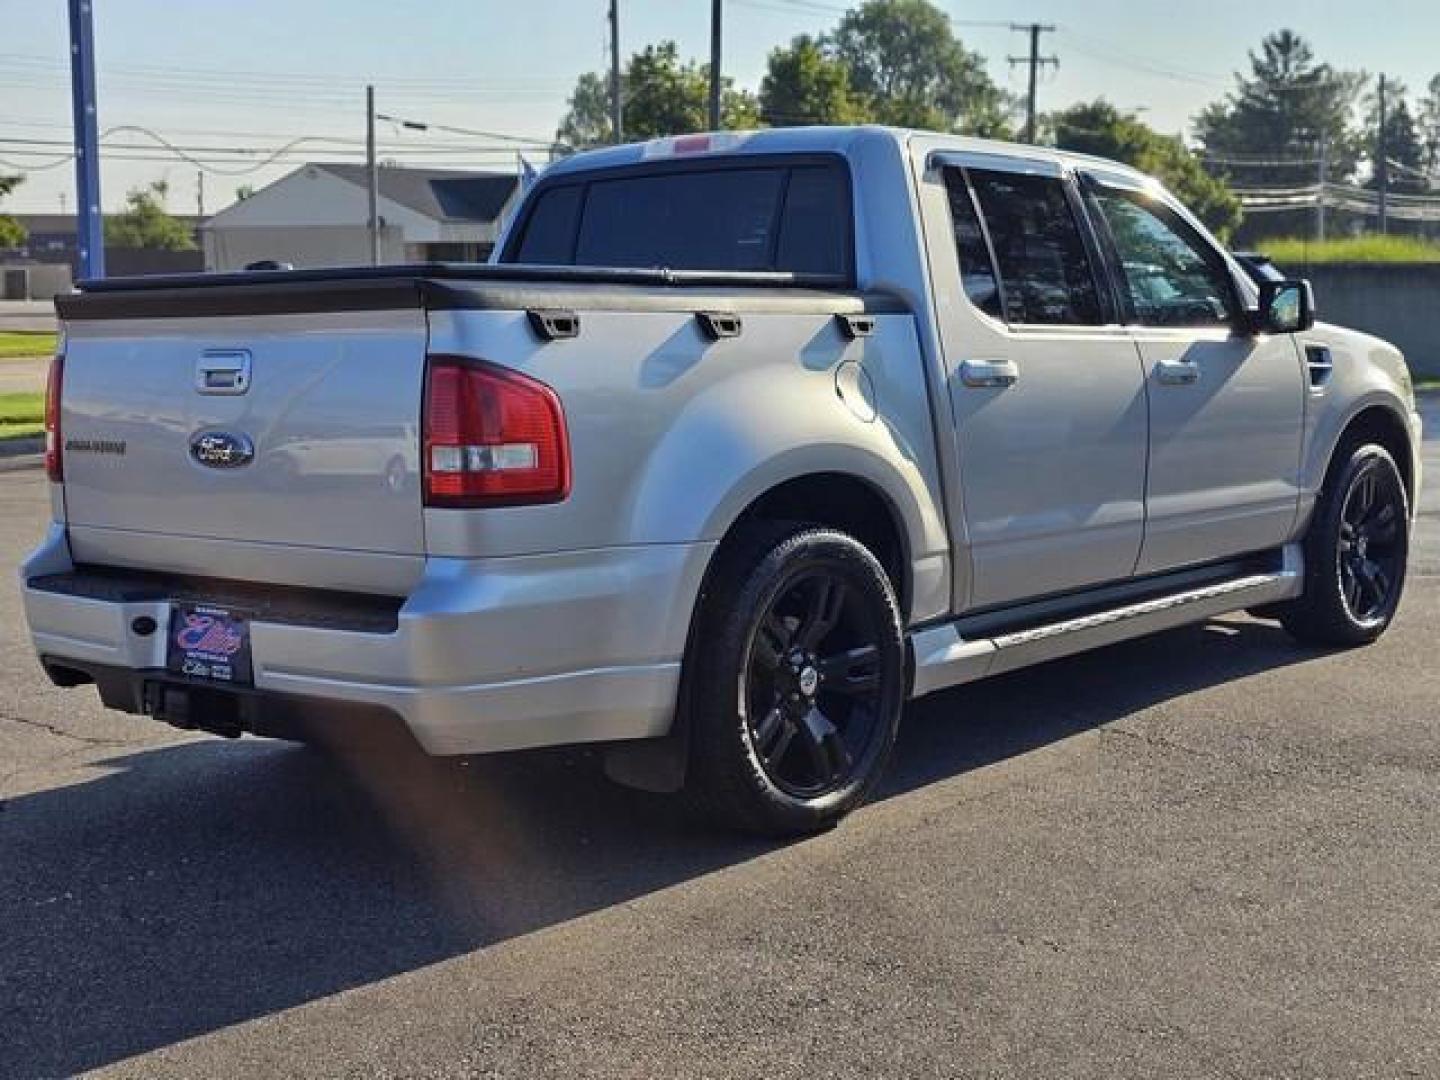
{"x": 204, "y": 884}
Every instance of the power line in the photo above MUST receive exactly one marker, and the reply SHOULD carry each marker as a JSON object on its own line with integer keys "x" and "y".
{"x": 1258, "y": 161}
{"x": 813, "y": 7}
{"x": 1099, "y": 49}
{"x": 428, "y": 125}
{"x": 41, "y": 63}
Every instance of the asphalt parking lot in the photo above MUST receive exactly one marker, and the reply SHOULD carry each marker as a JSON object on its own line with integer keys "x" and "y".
{"x": 1209, "y": 853}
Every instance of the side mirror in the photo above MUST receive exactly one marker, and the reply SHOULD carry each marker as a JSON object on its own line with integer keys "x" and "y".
{"x": 1286, "y": 307}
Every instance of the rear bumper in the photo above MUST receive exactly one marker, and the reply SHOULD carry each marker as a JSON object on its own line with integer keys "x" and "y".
{"x": 485, "y": 654}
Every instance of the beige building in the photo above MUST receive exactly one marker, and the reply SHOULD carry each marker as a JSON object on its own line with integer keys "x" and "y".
{"x": 317, "y": 216}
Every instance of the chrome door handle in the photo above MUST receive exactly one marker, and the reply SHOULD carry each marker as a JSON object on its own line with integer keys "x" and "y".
{"x": 989, "y": 372}
{"x": 1177, "y": 372}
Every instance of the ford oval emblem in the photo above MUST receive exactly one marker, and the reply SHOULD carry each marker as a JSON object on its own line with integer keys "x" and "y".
{"x": 222, "y": 450}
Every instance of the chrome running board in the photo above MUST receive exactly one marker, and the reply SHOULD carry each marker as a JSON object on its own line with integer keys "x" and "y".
{"x": 943, "y": 658}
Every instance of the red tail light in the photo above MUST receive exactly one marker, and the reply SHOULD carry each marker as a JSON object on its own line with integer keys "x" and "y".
{"x": 54, "y": 462}
{"x": 493, "y": 437}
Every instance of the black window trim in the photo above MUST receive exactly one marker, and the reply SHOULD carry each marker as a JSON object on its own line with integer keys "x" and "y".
{"x": 964, "y": 175}
{"x": 584, "y": 178}
{"x": 1108, "y": 286}
{"x": 1213, "y": 257}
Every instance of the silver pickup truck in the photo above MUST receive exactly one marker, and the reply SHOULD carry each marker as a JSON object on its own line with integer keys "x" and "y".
{"x": 741, "y": 441}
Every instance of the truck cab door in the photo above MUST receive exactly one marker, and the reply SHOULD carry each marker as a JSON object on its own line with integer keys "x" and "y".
{"x": 1226, "y": 404}
{"x": 1045, "y": 389}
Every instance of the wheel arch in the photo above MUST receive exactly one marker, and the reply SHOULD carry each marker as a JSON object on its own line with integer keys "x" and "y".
{"x": 834, "y": 499}
{"x": 1379, "y": 422}
{"x": 843, "y": 501}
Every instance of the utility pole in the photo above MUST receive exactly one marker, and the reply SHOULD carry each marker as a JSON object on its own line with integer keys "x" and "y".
{"x": 1320, "y": 191}
{"x": 1382, "y": 163}
{"x": 617, "y": 122}
{"x": 372, "y": 175}
{"x": 715, "y": 65}
{"x": 89, "y": 226}
{"x": 200, "y": 193}
{"x": 1036, "y": 62}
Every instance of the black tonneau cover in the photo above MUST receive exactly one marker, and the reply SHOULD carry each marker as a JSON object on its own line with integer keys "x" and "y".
{"x": 438, "y": 286}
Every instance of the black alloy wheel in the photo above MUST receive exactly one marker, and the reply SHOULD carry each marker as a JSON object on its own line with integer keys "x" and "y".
{"x": 1369, "y": 555}
{"x": 813, "y": 691}
{"x": 1355, "y": 552}
{"x": 795, "y": 679}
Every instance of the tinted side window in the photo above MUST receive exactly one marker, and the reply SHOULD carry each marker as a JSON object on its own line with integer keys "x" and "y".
{"x": 977, "y": 272}
{"x": 1038, "y": 247}
{"x": 1171, "y": 276}
{"x": 550, "y": 233}
{"x": 719, "y": 220}
{"x": 815, "y": 224}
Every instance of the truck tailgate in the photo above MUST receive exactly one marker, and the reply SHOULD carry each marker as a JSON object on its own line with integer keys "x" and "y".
{"x": 297, "y": 429}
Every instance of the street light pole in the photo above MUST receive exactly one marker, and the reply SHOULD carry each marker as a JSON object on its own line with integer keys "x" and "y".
{"x": 617, "y": 119}
{"x": 89, "y": 225}
{"x": 1382, "y": 163}
{"x": 372, "y": 175}
{"x": 1035, "y": 62}
{"x": 715, "y": 50}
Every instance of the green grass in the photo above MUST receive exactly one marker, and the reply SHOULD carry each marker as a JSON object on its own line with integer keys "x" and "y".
{"x": 1298, "y": 251}
{"x": 21, "y": 415}
{"x": 15, "y": 343}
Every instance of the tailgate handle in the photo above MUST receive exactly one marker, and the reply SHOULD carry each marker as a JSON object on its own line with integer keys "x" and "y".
{"x": 223, "y": 371}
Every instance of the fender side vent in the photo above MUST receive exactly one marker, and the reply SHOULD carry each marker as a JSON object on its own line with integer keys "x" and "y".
{"x": 1319, "y": 365}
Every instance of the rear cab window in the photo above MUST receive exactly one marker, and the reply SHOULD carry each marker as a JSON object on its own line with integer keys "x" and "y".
{"x": 1023, "y": 258}
{"x": 781, "y": 214}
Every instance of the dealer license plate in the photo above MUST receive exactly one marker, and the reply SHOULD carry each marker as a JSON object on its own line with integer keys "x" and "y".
{"x": 209, "y": 643}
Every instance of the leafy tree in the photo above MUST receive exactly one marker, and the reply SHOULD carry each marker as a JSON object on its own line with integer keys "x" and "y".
{"x": 661, "y": 96}
{"x": 244, "y": 191}
{"x": 145, "y": 223}
{"x": 905, "y": 59}
{"x": 587, "y": 122}
{"x": 1101, "y": 129}
{"x": 805, "y": 85}
{"x": 1286, "y": 107}
{"x": 12, "y": 233}
{"x": 1400, "y": 139}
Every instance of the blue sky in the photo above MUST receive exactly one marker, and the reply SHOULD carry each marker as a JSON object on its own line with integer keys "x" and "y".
{"x": 260, "y": 73}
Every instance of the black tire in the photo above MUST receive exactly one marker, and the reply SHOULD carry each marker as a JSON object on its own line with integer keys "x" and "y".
{"x": 795, "y": 680}
{"x": 1355, "y": 552}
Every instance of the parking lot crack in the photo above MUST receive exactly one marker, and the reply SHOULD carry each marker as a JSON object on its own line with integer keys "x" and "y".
{"x": 88, "y": 740}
